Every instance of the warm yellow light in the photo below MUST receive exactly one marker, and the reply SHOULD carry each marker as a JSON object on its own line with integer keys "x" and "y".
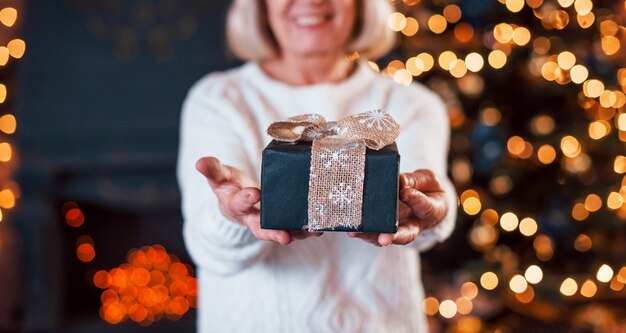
{"x": 490, "y": 116}
{"x": 616, "y": 285}
{"x": 463, "y": 32}
{"x": 599, "y": 129}
{"x": 4, "y": 55}
{"x": 3, "y": 93}
{"x": 528, "y": 226}
{"x": 472, "y": 206}
{"x": 542, "y": 125}
{"x": 8, "y": 16}
{"x": 414, "y": 66}
{"x": 614, "y": 201}
{"x": 579, "y": 212}
{"x": 5, "y": 152}
{"x": 583, "y": 7}
{"x": 497, "y": 59}
{"x": 533, "y": 274}
{"x": 579, "y": 74}
{"x": 518, "y": 284}
{"x": 509, "y": 221}
{"x": 474, "y": 62}
{"x": 394, "y": 66}
{"x": 427, "y": 60}
{"x": 621, "y": 122}
{"x": 605, "y": 273}
{"x": 437, "y": 23}
{"x": 521, "y": 36}
{"x": 8, "y": 124}
{"x": 569, "y": 287}
{"x": 546, "y": 154}
{"x": 583, "y": 243}
{"x": 446, "y": 58}
{"x": 489, "y": 216}
{"x": 607, "y": 99}
{"x": 489, "y": 280}
{"x": 619, "y": 165}
{"x": 541, "y": 45}
{"x": 593, "y": 88}
{"x": 7, "y": 199}
{"x": 411, "y": 27}
{"x": 469, "y": 290}
{"x": 515, "y": 145}
{"x": 588, "y": 289}
{"x": 514, "y": 5}
{"x": 527, "y": 296}
{"x": 550, "y": 70}
{"x": 468, "y": 194}
{"x": 16, "y": 47}
{"x": 464, "y": 306}
{"x": 403, "y": 77}
{"x": 503, "y": 32}
{"x": 543, "y": 247}
{"x": 374, "y": 66}
{"x": 452, "y": 13}
{"x": 585, "y": 21}
{"x": 566, "y": 60}
{"x": 534, "y": 3}
{"x": 447, "y": 309}
{"x": 609, "y": 27}
{"x": 593, "y": 202}
{"x": 430, "y": 306}
{"x": 565, "y": 3}
{"x": 458, "y": 68}
{"x": 570, "y": 146}
{"x": 396, "y": 21}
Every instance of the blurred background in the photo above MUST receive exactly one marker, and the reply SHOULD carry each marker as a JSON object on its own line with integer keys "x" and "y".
{"x": 90, "y": 95}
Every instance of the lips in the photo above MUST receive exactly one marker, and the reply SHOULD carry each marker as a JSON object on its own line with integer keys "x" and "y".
{"x": 310, "y": 20}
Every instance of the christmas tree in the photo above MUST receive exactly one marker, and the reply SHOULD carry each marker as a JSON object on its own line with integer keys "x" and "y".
{"x": 535, "y": 92}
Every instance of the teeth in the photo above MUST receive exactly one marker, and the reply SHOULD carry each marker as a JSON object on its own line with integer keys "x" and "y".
{"x": 309, "y": 20}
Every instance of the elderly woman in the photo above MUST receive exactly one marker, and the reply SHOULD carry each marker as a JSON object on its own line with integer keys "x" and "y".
{"x": 250, "y": 281}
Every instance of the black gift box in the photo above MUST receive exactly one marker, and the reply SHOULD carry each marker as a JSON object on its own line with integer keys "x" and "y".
{"x": 285, "y": 188}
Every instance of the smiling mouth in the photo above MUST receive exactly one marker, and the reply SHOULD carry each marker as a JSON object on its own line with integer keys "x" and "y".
{"x": 311, "y": 20}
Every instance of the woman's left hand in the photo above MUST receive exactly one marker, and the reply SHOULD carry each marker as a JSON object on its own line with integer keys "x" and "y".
{"x": 422, "y": 206}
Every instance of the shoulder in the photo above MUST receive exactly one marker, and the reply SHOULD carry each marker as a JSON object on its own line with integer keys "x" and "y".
{"x": 217, "y": 86}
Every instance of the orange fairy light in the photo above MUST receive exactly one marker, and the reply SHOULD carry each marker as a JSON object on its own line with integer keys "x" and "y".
{"x": 85, "y": 252}
{"x": 152, "y": 284}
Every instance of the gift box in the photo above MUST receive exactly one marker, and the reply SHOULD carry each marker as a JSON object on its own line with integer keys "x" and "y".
{"x": 288, "y": 179}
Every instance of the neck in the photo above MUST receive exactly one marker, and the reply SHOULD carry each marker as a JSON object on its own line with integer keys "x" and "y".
{"x": 305, "y": 70}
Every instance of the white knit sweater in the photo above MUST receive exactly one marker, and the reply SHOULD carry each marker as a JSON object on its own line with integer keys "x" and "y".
{"x": 327, "y": 284}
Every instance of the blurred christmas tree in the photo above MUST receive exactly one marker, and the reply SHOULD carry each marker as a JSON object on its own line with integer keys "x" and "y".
{"x": 535, "y": 92}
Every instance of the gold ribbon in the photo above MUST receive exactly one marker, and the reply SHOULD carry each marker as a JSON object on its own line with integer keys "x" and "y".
{"x": 337, "y": 161}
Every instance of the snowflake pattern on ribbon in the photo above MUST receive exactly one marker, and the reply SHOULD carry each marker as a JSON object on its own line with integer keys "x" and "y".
{"x": 342, "y": 195}
{"x": 377, "y": 119}
{"x": 332, "y": 158}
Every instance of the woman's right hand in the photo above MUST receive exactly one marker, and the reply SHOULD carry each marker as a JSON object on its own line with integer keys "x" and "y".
{"x": 239, "y": 197}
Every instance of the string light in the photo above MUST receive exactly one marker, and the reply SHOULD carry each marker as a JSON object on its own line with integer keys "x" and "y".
{"x": 605, "y": 273}
{"x": 569, "y": 287}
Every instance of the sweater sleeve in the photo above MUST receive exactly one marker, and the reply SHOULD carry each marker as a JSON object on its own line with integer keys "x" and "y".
{"x": 423, "y": 144}
{"x": 209, "y": 128}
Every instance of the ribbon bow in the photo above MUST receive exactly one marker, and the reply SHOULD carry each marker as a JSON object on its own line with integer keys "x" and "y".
{"x": 337, "y": 161}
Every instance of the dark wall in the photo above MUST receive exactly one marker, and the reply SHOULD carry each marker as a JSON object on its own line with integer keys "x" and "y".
{"x": 101, "y": 86}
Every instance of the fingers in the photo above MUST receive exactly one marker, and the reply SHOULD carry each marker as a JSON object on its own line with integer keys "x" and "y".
{"x": 252, "y": 221}
{"x": 213, "y": 170}
{"x": 421, "y": 205}
{"x": 369, "y": 237}
{"x": 423, "y": 180}
{"x": 405, "y": 235}
{"x": 244, "y": 200}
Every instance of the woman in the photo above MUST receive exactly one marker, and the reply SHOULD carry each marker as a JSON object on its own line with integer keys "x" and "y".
{"x": 250, "y": 281}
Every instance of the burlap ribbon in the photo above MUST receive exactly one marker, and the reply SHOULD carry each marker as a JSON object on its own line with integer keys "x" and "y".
{"x": 337, "y": 161}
